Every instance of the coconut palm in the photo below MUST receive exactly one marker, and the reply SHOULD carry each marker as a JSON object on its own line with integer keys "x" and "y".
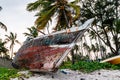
{"x": 67, "y": 12}
{"x": 1, "y": 24}
{"x": 12, "y": 38}
{"x": 33, "y": 32}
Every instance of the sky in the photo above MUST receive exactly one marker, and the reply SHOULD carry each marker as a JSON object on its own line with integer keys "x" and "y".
{"x": 15, "y": 16}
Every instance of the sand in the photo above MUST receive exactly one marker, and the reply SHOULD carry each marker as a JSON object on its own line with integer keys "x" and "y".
{"x": 67, "y": 74}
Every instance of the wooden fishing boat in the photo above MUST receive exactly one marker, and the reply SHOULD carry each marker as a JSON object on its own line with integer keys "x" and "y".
{"x": 112, "y": 60}
{"x": 46, "y": 53}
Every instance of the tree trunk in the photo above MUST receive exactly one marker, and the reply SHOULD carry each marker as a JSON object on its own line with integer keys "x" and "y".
{"x": 11, "y": 53}
{"x": 73, "y": 56}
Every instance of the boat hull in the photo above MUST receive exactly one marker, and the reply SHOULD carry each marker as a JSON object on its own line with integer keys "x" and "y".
{"x": 112, "y": 60}
{"x": 46, "y": 53}
{"x": 42, "y": 53}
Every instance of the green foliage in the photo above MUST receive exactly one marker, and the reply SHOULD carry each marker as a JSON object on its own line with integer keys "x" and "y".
{"x": 2, "y": 47}
{"x": 117, "y": 25}
{"x": 6, "y": 74}
{"x": 33, "y": 32}
{"x": 88, "y": 66}
{"x": 49, "y": 8}
{"x": 3, "y": 26}
{"x": 107, "y": 24}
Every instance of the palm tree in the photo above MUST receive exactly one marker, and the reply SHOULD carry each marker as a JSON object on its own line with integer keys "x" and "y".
{"x": 67, "y": 13}
{"x": 33, "y": 32}
{"x": 1, "y": 24}
{"x": 12, "y": 38}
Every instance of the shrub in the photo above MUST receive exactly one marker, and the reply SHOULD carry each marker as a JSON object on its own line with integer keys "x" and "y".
{"x": 88, "y": 66}
{"x": 6, "y": 74}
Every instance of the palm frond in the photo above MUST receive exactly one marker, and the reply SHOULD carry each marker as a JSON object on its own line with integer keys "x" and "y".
{"x": 8, "y": 37}
{"x": 27, "y": 34}
{"x": 17, "y": 42}
{"x": 33, "y": 32}
{"x": 47, "y": 8}
{"x": 40, "y": 4}
{"x": 34, "y": 6}
{"x": 77, "y": 11}
{"x": 30, "y": 30}
{"x": 3, "y": 26}
{"x": 0, "y": 8}
{"x": 44, "y": 18}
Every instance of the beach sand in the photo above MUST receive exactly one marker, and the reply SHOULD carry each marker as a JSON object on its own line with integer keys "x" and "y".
{"x": 67, "y": 74}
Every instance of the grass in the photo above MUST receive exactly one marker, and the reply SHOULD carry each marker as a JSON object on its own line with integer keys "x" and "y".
{"x": 6, "y": 74}
{"x": 88, "y": 66}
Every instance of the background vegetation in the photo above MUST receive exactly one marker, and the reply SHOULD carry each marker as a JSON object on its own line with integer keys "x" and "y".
{"x": 6, "y": 74}
{"x": 104, "y": 35}
{"x": 85, "y": 66}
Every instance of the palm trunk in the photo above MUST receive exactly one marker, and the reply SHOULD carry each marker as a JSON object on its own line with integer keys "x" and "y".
{"x": 11, "y": 53}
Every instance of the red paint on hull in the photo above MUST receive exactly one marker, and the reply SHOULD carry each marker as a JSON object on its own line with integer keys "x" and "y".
{"x": 40, "y": 57}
